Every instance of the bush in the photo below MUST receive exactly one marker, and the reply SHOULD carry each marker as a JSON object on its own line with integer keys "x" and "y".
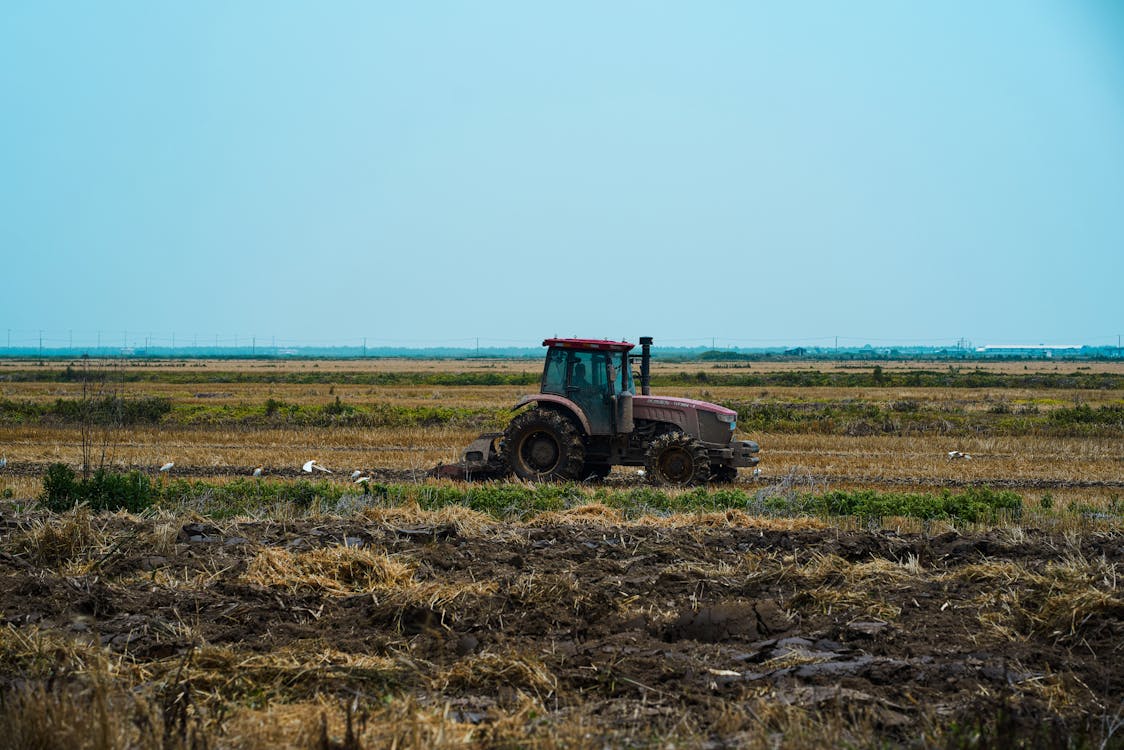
{"x": 972, "y": 505}
{"x": 60, "y": 488}
{"x": 105, "y": 490}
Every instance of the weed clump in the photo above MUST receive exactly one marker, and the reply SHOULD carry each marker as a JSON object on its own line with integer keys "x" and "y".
{"x": 105, "y": 490}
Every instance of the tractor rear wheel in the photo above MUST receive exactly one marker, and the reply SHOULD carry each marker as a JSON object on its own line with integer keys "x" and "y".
{"x": 543, "y": 444}
{"x": 677, "y": 459}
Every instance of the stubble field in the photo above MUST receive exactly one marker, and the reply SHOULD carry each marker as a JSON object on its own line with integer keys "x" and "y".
{"x": 414, "y": 612}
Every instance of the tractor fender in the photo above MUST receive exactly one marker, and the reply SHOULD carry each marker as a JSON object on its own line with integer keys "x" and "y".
{"x": 566, "y": 404}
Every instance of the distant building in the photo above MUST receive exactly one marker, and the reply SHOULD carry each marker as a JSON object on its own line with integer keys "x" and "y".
{"x": 1026, "y": 350}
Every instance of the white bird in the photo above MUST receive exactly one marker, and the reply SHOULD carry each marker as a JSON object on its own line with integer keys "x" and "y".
{"x": 356, "y": 474}
{"x": 167, "y": 467}
{"x": 954, "y": 455}
{"x": 362, "y": 480}
{"x": 756, "y": 473}
{"x": 257, "y": 472}
{"x": 3, "y": 462}
{"x": 309, "y": 466}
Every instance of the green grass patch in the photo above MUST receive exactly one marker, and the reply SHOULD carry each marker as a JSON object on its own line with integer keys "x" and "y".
{"x": 508, "y": 501}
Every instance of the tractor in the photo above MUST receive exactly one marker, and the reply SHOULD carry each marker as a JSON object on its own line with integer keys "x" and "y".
{"x": 587, "y": 418}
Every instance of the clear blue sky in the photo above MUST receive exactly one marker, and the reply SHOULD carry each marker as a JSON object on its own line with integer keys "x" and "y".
{"x": 427, "y": 173}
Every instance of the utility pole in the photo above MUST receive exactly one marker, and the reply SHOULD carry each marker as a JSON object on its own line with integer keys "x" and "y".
{"x": 253, "y": 345}
{"x": 40, "y": 343}
{"x": 477, "y": 346}
{"x": 364, "y": 347}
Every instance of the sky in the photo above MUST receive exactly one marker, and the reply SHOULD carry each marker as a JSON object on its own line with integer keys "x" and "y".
{"x": 432, "y": 173}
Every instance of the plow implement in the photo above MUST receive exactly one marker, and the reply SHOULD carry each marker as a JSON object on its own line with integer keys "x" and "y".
{"x": 481, "y": 460}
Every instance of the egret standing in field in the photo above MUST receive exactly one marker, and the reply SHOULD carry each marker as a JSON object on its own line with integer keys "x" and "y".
{"x": 164, "y": 471}
{"x": 3, "y": 462}
{"x": 257, "y": 472}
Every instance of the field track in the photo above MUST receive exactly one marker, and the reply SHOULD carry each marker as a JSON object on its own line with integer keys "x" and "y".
{"x": 623, "y": 477}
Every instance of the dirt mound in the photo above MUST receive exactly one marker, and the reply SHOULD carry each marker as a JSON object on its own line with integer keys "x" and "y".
{"x": 727, "y": 620}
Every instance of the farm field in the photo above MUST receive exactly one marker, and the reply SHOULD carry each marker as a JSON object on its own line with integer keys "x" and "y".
{"x": 414, "y": 612}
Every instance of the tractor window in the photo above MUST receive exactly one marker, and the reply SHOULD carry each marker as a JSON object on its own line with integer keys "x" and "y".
{"x": 599, "y": 375}
{"x": 581, "y": 371}
{"x": 587, "y": 372}
{"x": 554, "y": 373}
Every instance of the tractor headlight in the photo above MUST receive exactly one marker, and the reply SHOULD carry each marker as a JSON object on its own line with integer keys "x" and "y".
{"x": 730, "y": 419}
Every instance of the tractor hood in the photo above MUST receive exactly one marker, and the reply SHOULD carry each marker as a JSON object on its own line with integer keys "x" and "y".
{"x": 684, "y": 404}
{"x": 711, "y": 423}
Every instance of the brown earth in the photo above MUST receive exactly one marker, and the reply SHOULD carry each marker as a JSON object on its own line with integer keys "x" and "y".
{"x": 636, "y": 629}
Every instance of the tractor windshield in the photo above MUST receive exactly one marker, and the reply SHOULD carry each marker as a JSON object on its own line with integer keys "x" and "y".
{"x": 554, "y": 373}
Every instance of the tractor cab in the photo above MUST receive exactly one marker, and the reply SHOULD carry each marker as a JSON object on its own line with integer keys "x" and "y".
{"x": 594, "y": 375}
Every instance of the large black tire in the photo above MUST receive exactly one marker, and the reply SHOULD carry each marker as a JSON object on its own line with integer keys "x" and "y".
{"x": 677, "y": 459}
{"x": 543, "y": 444}
{"x": 722, "y": 474}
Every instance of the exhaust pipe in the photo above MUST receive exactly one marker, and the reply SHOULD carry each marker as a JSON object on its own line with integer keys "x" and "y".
{"x": 646, "y": 365}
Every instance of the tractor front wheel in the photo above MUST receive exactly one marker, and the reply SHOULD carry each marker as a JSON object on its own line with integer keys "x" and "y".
{"x": 677, "y": 459}
{"x": 542, "y": 444}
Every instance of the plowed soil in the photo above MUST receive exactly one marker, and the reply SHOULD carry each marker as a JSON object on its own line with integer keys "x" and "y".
{"x": 636, "y": 628}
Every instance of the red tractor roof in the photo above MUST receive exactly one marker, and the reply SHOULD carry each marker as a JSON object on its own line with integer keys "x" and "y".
{"x": 613, "y": 346}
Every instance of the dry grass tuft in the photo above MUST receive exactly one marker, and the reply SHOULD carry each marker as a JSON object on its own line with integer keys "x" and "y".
{"x": 60, "y": 539}
{"x": 491, "y": 670}
{"x": 597, "y": 514}
{"x": 466, "y": 521}
{"x": 36, "y": 715}
{"x": 338, "y": 571}
{"x": 730, "y": 518}
{"x": 830, "y": 582}
{"x": 1062, "y": 601}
